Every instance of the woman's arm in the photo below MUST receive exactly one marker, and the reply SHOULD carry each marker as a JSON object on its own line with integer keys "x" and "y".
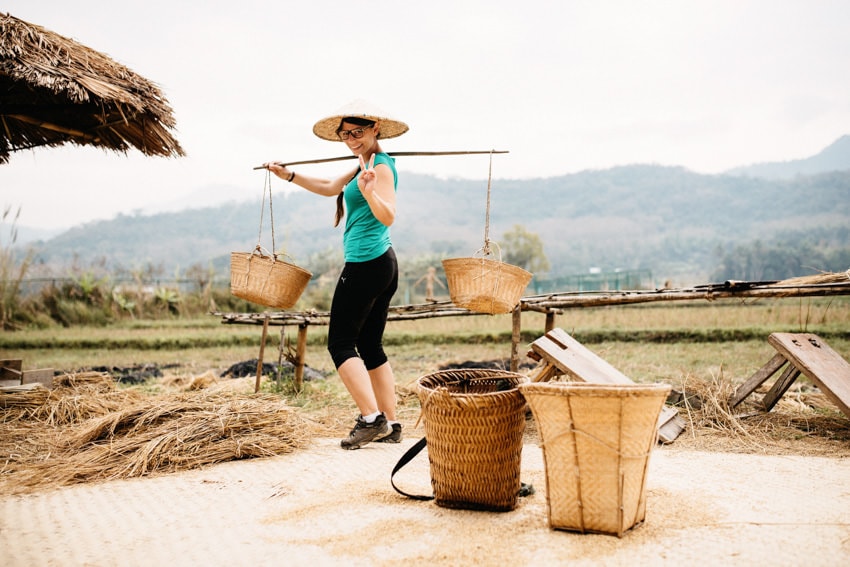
{"x": 317, "y": 185}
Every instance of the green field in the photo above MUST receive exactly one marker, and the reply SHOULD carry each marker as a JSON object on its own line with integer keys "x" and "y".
{"x": 654, "y": 342}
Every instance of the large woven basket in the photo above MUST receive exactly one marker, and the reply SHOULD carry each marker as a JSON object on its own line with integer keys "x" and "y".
{"x": 474, "y": 422}
{"x": 263, "y": 279}
{"x": 485, "y": 285}
{"x": 596, "y": 445}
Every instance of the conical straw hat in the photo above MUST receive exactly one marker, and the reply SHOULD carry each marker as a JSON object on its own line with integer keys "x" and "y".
{"x": 390, "y": 127}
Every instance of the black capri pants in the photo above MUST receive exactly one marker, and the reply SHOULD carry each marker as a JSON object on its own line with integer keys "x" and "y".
{"x": 359, "y": 310}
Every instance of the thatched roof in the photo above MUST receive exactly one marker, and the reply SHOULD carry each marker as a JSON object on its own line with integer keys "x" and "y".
{"x": 54, "y": 91}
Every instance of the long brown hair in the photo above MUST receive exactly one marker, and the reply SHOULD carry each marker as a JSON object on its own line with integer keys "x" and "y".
{"x": 340, "y": 199}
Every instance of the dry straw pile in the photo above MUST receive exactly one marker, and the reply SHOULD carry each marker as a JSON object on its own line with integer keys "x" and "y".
{"x": 802, "y": 414}
{"x": 86, "y": 429}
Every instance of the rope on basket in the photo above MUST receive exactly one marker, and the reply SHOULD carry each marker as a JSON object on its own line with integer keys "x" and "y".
{"x": 267, "y": 187}
{"x": 486, "y": 248}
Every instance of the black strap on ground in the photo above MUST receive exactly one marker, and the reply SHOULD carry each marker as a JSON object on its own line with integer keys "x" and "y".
{"x": 414, "y": 450}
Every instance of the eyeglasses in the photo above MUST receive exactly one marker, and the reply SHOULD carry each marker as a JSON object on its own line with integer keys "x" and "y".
{"x": 356, "y": 133}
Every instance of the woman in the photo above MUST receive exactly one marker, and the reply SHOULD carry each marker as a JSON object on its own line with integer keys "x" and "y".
{"x": 370, "y": 276}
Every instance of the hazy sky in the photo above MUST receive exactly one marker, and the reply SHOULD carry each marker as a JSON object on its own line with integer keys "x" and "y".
{"x": 563, "y": 85}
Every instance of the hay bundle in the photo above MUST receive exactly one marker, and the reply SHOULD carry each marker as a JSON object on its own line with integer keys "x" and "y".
{"x": 167, "y": 434}
{"x": 203, "y": 381}
{"x": 87, "y": 429}
{"x": 748, "y": 428}
{"x": 821, "y": 278}
{"x": 79, "y": 397}
{"x": 22, "y": 398}
{"x": 100, "y": 380}
{"x": 74, "y": 398}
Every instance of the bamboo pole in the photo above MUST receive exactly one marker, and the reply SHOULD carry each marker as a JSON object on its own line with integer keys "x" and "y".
{"x": 300, "y": 356}
{"x": 262, "y": 350}
{"x": 393, "y": 154}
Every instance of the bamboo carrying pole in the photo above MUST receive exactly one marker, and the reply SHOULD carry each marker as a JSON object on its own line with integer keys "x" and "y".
{"x": 393, "y": 154}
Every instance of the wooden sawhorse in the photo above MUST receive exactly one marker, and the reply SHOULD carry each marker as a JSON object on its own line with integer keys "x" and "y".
{"x": 807, "y": 354}
{"x": 562, "y": 354}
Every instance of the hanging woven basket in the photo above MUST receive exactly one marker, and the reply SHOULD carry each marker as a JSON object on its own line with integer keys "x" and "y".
{"x": 485, "y": 285}
{"x": 262, "y": 277}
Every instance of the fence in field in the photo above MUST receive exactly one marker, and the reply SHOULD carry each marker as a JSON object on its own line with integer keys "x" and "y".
{"x": 551, "y": 304}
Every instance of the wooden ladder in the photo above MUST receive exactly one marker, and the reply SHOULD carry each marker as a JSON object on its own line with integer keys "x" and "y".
{"x": 804, "y": 353}
{"x": 561, "y": 354}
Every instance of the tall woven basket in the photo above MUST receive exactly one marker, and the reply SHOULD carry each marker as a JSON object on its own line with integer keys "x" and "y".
{"x": 596, "y": 445}
{"x": 485, "y": 285}
{"x": 266, "y": 280}
{"x": 474, "y": 422}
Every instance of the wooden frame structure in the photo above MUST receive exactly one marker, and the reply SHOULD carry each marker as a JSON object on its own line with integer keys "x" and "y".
{"x": 803, "y": 353}
{"x": 550, "y": 304}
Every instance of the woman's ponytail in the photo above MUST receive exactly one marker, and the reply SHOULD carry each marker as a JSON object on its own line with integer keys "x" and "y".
{"x": 340, "y": 208}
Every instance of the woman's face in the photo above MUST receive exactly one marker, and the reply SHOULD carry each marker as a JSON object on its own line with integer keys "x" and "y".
{"x": 349, "y": 133}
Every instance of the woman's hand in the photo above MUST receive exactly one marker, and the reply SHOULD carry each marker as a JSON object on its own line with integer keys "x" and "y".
{"x": 278, "y": 169}
{"x": 369, "y": 178}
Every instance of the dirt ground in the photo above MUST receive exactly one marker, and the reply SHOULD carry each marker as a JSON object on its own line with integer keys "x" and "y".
{"x": 326, "y": 506}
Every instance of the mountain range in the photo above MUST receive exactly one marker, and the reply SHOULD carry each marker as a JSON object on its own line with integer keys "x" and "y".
{"x": 669, "y": 220}
{"x": 835, "y": 157}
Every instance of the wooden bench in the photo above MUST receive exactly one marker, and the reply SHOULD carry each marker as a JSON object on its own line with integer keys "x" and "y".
{"x": 11, "y": 374}
{"x": 804, "y": 353}
{"x": 561, "y": 354}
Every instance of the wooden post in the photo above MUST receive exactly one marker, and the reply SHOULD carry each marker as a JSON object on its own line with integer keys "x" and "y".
{"x": 300, "y": 356}
{"x": 550, "y": 321}
{"x": 262, "y": 350}
{"x": 516, "y": 335}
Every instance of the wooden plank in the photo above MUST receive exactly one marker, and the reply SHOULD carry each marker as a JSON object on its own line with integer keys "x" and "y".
{"x": 10, "y": 369}
{"x": 19, "y": 388}
{"x": 670, "y": 424}
{"x": 576, "y": 360}
{"x": 533, "y": 355}
{"x": 780, "y": 387}
{"x": 757, "y": 379}
{"x": 43, "y": 376}
{"x": 822, "y": 365}
{"x": 544, "y": 373}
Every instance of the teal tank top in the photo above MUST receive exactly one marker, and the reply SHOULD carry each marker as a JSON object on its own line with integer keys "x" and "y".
{"x": 365, "y": 237}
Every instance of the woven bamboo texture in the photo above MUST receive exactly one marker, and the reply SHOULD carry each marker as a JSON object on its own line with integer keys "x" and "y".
{"x": 474, "y": 423}
{"x": 484, "y": 285}
{"x": 597, "y": 440}
{"x": 265, "y": 280}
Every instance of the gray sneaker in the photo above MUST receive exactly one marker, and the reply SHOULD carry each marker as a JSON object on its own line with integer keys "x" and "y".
{"x": 394, "y": 436}
{"x": 365, "y": 432}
